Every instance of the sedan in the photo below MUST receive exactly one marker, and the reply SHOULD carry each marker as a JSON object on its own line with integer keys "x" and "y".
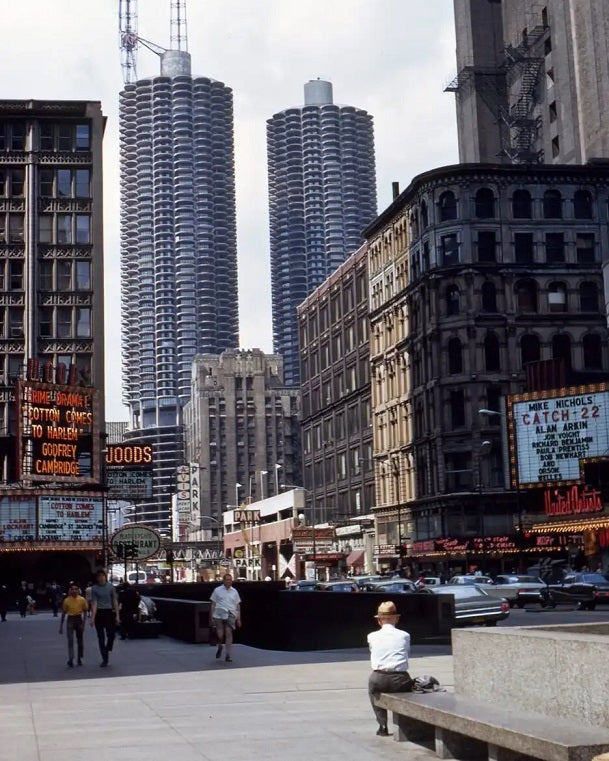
{"x": 393, "y": 586}
{"x": 337, "y": 586}
{"x": 470, "y": 579}
{"x": 362, "y": 581}
{"x": 473, "y": 605}
{"x": 517, "y": 589}
{"x": 586, "y": 590}
{"x": 303, "y": 586}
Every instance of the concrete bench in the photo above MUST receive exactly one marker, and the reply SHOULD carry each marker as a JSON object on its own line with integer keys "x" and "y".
{"x": 184, "y": 619}
{"x": 461, "y": 728}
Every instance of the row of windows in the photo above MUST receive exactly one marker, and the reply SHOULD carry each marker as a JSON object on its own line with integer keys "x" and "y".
{"x": 527, "y": 297}
{"x": 12, "y": 366}
{"x": 52, "y": 228}
{"x": 63, "y": 275}
{"x": 333, "y": 351}
{"x": 330, "y": 313}
{"x": 54, "y": 183}
{"x": 65, "y": 137}
{"x": 64, "y": 322}
{"x": 344, "y": 423}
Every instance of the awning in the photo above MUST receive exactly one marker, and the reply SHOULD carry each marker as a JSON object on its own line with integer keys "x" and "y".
{"x": 355, "y": 558}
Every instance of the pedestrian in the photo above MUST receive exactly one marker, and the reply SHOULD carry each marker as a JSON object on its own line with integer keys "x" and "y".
{"x": 129, "y": 601}
{"x": 23, "y": 598}
{"x": 225, "y": 615}
{"x": 104, "y": 614}
{"x": 389, "y": 652}
{"x": 88, "y": 597}
{"x": 55, "y": 596}
{"x": 4, "y": 601}
{"x": 74, "y": 608}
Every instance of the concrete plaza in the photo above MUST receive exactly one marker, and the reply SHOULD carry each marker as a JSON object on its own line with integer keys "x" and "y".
{"x": 163, "y": 700}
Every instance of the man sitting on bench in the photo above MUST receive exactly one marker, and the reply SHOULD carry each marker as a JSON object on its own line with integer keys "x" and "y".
{"x": 389, "y": 651}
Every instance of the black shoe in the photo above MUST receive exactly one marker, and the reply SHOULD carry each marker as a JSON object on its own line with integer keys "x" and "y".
{"x": 228, "y": 659}
{"x": 103, "y": 664}
{"x": 109, "y": 647}
{"x": 382, "y": 732}
{"x": 80, "y": 661}
{"x": 219, "y": 651}
{"x": 71, "y": 663}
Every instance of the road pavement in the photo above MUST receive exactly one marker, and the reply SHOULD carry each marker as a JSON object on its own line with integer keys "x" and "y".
{"x": 162, "y": 699}
{"x": 535, "y": 615}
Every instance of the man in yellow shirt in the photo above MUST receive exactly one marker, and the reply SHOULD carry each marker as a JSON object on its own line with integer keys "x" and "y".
{"x": 75, "y": 608}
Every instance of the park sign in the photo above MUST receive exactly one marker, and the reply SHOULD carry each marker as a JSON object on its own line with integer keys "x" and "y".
{"x": 553, "y": 433}
{"x": 135, "y": 542}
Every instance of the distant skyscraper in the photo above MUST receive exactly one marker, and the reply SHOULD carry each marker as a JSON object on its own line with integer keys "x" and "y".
{"x": 533, "y": 81}
{"x": 322, "y": 193}
{"x": 178, "y": 250}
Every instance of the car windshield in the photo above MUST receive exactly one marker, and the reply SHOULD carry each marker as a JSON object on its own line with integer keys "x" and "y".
{"x": 594, "y": 578}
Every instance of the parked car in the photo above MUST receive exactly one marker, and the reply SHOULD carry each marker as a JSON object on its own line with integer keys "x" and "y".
{"x": 392, "y": 586}
{"x": 516, "y": 588}
{"x": 470, "y": 579}
{"x": 473, "y": 604}
{"x": 586, "y": 590}
{"x": 361, "y": 581}
{"x": 432, "y": 581}
{"x": 304, "y": 585}
{"x": 337, "y": 586}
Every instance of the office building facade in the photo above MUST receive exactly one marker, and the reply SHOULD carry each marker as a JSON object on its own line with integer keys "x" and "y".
{"x": 178, "y": 251}
{"x": 533, "y": 78}
{"x": 242, "y": 428}
{"x": 51, "y": 249}
{"x": 477, "y": 273}
{"x": 322, "y": 192}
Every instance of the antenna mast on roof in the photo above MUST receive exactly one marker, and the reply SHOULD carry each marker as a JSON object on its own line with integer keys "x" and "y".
{"x": 179, "y": 31}
{"x": 128, "y": 39}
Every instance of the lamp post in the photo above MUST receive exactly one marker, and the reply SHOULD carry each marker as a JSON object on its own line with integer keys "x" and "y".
{"x": 237, "y": 487}
{"x": 278, "y": 467}
{"x": 313, "y": 531}
{"x": 263, "y": 473}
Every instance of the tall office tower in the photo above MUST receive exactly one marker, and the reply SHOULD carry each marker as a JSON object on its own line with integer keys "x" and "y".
{"x": 178, "y": 252}
{"x": 51, "y": 250}
{"x": 322, "y": 192}
{"x": 533, "y": 80}
{"x": 242, "y": 428}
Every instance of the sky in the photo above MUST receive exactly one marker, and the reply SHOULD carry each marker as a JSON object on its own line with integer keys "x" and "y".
{"x": 392, "y": 58}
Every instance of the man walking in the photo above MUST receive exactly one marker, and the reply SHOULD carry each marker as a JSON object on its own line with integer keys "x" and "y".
{"x": 129, "y": 601}
{"x": 389, "y": 651}
{"x": 55, "y": 597}
{"x": 104, "y": 614}
{"x": 225, "y": 614}
{"x": 75, "y": 609}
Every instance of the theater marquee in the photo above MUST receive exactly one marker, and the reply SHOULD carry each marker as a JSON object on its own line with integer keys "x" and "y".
{"x": 551, "y": 432}
{"x": 58, "y": 433}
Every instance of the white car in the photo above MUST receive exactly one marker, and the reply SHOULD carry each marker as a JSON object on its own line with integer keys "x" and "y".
{"x": 510, "y": 585}
{"x": 471, "y": 579}
{"x": 432, "y": 581}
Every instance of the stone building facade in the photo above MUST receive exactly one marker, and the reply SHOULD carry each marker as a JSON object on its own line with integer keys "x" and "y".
{"x": 476, "y": 271}
{"x": 336, "y": 405}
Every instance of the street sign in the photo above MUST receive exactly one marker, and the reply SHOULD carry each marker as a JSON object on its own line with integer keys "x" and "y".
{"x": 135, "y": 541}
{"x": 246, "y": 516}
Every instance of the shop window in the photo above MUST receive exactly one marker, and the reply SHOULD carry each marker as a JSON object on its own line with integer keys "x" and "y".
{"x": 523, "y": 248}
{"x": 555, "y": 248}
{"x": 455, "y": 356}
{"x": 582, "y": 204}
{"x": 561, "y": 348}
{"x": 552, "y": 204}
{"x": 530, "y": 349}
{"x": 489, "y": 297}
{"x": 557, "y": 297}
{"x": 484, "y": 203}
{"x": 588, "y": 297}
{"x": 521, "y": 204}
{"x": 526, "y": 296}
{"x": 452, "y": 300}
{"x": 492, "y": 358}
{"x": 448, "y": 206}
{"x": 593, "y": 352}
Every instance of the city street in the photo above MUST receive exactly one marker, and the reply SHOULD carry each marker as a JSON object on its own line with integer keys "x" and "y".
{"x": 563, "y": 614}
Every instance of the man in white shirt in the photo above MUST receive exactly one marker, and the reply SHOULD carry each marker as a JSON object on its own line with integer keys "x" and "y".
{"x": 225, "y": 614}
{"x": 389, "y": 651}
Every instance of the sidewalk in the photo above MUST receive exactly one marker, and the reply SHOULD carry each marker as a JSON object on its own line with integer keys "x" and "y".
{"x": 163, "y": 700}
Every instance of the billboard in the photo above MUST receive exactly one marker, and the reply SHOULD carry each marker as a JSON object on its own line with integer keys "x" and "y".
{"x": 136, "y": 542}
{"x": 17, "y": 519}
{"x": 58, "y": 433}
{"x": 70, "y": 518}
{"x": 552, "y": 432}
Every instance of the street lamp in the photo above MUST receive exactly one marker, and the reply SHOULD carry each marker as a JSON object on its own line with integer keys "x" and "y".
{"x": 263, "y": 473}
{"x": 278, "y": 467}
{"x": 313, "y": 531}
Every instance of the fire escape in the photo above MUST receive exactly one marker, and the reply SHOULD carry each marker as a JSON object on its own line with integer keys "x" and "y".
{"x": 510, "y": 92}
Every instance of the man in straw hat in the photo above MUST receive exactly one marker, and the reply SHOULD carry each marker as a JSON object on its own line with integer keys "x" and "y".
{"x": 389, "y": 651}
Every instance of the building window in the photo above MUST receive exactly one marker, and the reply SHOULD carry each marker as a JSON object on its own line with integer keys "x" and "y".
{"x": 493, "y": 402}
{"x": 526, "y": 296}
{"x": 450, "y": 250}
{"x": 64, "y": 228}
{"x": 492, "y": 359}
{"x": 457, "y": 409}
{"x": 83, "y": 276}
{"x": 555, "y": 248}
{"x": 521, "y": 204}
{"x": 17, "y": 183}
{"x": 64, "y": 322}
{"x": 18, "y": 136}
{"x": 588, "y": 297}
{"x": 15, "y": 322}
{"x": 46, "y": 183}
{"x": 47, "y": 137}
{"x": 45, "y": 228}
{"x": 484, "y": 203}
{"x": 45, "y": 275}
{"x": 341, "y": 462}
{"x": 585, "y": 248}
{"x": 64, "y": 183}
{"x": 557, "y": 297}
{"x": 83, "y": 228}
{"x": 425, "y": 263}
{"x": 63, "y": 275}
{"x": 455, "y": 356}
{"x": 489, "y": 297}
{"x": 582, "y": 204}
{"x": 487, "y": 246}
{"x": 83, "y": 137}
{"x": 553, "y": 112}
{"x": 83, "y": 322}
{"x": 424, "y": 215}
{"x": 15, "y": 228}
{"x": 82, "y": 185}
{"x": 593, "y": 352}
{"x": 523, "y": 248}
{"x": 64, "y": 137}
{"x": 552, "y": 204}
{"x": 448, "y": 206}
{"x": 452, "y": 300}
{"x": 530, "y": 349}
{"x": 555, "y": 147}
{"x": 561, "y": 348}
{"x": 45, "y": 323}
{"x": 458, "y": 470}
